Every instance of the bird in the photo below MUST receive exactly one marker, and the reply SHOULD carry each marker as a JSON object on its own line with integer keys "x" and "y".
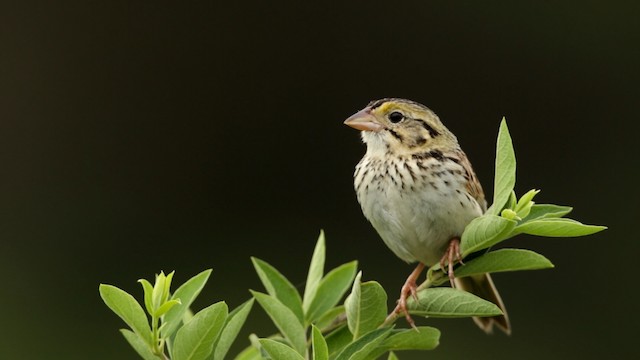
{"x": 417, "y": 188}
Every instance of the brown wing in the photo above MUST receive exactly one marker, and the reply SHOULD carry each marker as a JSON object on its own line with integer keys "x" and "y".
{"x": 473, "y": 185}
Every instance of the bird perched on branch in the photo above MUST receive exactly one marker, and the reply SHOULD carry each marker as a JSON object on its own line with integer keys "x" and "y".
{"x": 417, "y": 188}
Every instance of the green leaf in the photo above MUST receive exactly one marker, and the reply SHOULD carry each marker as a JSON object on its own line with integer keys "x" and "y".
{"x": 513, "y": 200}
{"x": 284, "y": 319}
{"x": 279, "y": 287}
{"x": 330, "y": 317}
{"x": 194, "y": 340}
{"x": 338, "y": 339}
{"x": 523, "y": 207}
{"x": 279, "y": 351}
{"x": 485, "y": 231}
{"x": 426, "y": 338}
{"x": 138, "y": 344}
{"x": 316, "y": 270}
{"x": 542, "y": 211}
{"x": 557, "y": 227}
{"x": 167, "y": 287}
{"x": 505, "y": 172}
{"x": 320, "y": 349}
{"x": 525, "y": 199}
{"x": 450, "y": 303}
{"x": 148, "y": 291}
{"x": 128, "y": 309}
{"x": 331, "y": 289}
{"x": 392, "y": 356}
{"x": 366, "y": 307}
{"x": 249, "y": 353}
{"x": 232, "y": 327}
{"x": 186, "y": 294}
{"x": 504, "y": 260}
{"x": 361, "y": 348}
{"x": 157, "y": 295}
{"x": 166, "y": 307}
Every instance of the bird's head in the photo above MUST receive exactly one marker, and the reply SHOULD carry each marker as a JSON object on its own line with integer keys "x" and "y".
{"x": 400, "y": 126}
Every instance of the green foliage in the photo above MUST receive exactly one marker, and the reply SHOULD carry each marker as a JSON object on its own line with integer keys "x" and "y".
{"x": 232, "y": 327}
{"x": 315, "y": 325}
{"x": 450, "y": 303}
{"x": 284, "y": 319}
{"x": 504, "y": 260}
{"x": 366, "y": 307}
{"x": 505, "y": 175}
{"x": 319, "y": 345}
{"x": 507, "y": 217}
{"x": 170, "y": 335}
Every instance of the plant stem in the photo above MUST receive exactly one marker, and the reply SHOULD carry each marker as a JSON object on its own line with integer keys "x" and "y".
{"x": 157, "y": 349}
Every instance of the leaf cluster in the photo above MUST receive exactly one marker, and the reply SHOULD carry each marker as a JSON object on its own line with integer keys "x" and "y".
{"x": 316, "y": 325}
{"x": 171, "y": 331}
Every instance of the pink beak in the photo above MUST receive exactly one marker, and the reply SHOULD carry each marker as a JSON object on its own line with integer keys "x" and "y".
{"x": 363, "y": 120}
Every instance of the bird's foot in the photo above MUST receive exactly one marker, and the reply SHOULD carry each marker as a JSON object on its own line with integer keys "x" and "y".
{"x": 409, "y": 288}
{"x": 450, "y": 257}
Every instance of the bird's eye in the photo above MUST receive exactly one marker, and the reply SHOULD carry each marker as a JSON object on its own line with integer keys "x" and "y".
{"x": 395, "y": 117}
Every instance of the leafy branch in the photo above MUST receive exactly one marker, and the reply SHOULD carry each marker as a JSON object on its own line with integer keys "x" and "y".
{"x": 315, "y": 325}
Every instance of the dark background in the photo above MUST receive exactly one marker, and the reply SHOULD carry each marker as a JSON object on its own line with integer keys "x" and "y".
{"x": 140, "y": 136}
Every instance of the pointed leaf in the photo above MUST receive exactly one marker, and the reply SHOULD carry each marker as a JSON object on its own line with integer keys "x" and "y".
{"x": 361, "y": 348}
{"x": 392, "y": 356}
{"x": 186, "y": 294}
{"x": 513, "y": 200}
{"x": 319, "y": 344}
{"x": 279, "y": 350}
{"x": 167, "y": 287}
{"x": 504, "y": 260}
{"x": 332, "y": 287}
{"x": 366, "y": 307}
{"x": 426, "y": 338}
{"x": 485, "y": 231}
{"x": 542, "y": 211}
{"x": 420, "y": 338}
{"x": 138, "y": 344}
{"x": 279, "y": 287}
{"x": 158, "y": 289}
{"x": 338, "y": 339}
{"x": 249, "y": 353}
{"x": 195, "y": 339}
{"x": 148, "y": 291}
{"x": 232, "y": 327}
{"x": 166, "y": 307}
{"x": 525, "y": 199}
{"x": 316, "y": 270}
{"x": 128, "y": 309}
{"x": 525, "y": 203}
{"x": 557, "y": 227}
{"x": 450, "y": 303}
{"x": 284, "y": 319}
{"x": 505, "y": 172}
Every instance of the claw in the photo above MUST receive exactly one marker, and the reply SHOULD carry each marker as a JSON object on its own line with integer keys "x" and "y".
{"x": 409, "y": 288}
{"x": 450, "y": 257}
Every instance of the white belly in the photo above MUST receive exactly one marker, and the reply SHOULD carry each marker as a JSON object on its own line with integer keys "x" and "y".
{"x": 418, "y": 221}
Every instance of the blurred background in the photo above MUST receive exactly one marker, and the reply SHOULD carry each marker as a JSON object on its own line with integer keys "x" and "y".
{"x": 139, "y": 136}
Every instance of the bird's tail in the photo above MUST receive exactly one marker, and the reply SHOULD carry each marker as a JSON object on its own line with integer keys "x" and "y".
{"x": 482, "y": 286}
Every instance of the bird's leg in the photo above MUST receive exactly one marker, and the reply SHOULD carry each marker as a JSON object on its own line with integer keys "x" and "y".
{"x": 450, "y": 257}
{"x": 409, "y": 288}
